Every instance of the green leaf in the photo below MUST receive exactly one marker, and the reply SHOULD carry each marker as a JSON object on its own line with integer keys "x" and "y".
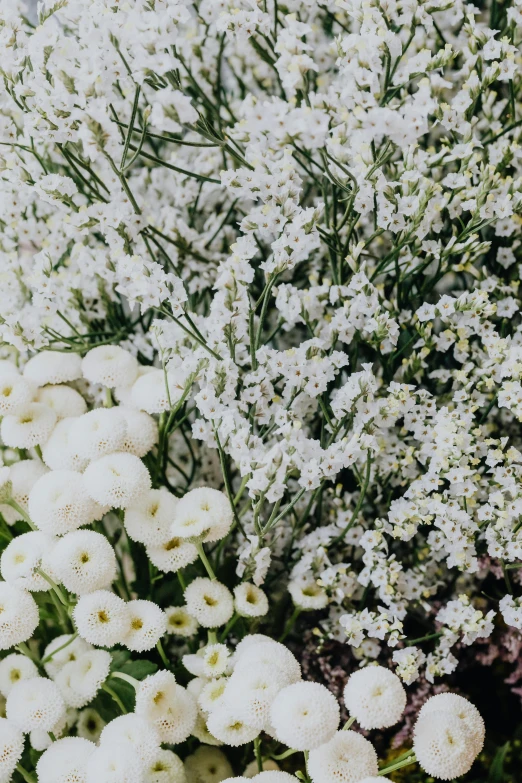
{"x": 138, "y": 669}
{"x": 496, "y": 771}
{"x": 119, "y": 659}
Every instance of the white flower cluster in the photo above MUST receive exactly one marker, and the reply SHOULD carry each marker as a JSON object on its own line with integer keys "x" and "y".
{"x": 260, "y": 379}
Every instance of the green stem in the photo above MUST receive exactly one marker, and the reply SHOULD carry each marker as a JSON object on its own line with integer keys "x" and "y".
{"x": 257, "y": 752}
{"x": 59, "y": 592}
{"x": 163, "y": 657}
{"x": 349, "y": 723}
{"x": 131, "y": 680}
{"x": 25, "y": 516}
{"x": 398, "y": 765}
{"x": 362, "y": 495}
{"x": 204, "y": 559}
{"x": 59, "y": 649}
{"x": 290, "y": 623}
{"x": 228, "y": 627}
{"x": 27, "y": 776}
{"x": 114, "y": 696}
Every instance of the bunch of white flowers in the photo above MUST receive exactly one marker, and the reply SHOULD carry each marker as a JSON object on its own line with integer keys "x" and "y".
{"x": 260, "y": 385}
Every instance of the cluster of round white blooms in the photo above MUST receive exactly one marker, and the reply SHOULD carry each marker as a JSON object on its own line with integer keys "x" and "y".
{"x": 63, "y": 649}
{"x": 114, "y": 763}
{"x": 28, "y": 427}
{"x": 59, "y": 502}
{"x": 147, "y": 623}
{"x": 35, "y": 703}
{"x": 79, "y": 680}
{"x": 102, "y": 618}
{"x": 347, "y": 758}
{"x": 209, "y": 601}
{"x": 448, "y": 736}
{"x": 83, "y": 561}
{"x": 148, "y": 519}
{"x": 141, "y": 432}
{"x": 116, "y": 480}
{"x": 110, "y": 365}
{"x": 225, "y": 724}
{"x": 13, "y": 668}
{"x": 53, "y": 367}
{"x": 65, "y": 402}
{"x": 168, "y": 706}
{"x": 99, "y": 432}
{"x": 204, "y": 514}
{"x": 23, "y": 556}
{"x": 11, "y": 748}
{"x": 15, "y": 394}
{"x": 375, "y": 697}
{"x": 304, "y": 715}
{"x": 250, "y": 601}
{"x": 135, "y": 730}
{"x": 23, "y": 475}
{"x": 62, "y": 451}
{"x": 18, "y": 616}
{"x": 65, "y": 761}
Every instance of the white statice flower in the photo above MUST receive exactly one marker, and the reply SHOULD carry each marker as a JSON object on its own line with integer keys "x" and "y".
{"x": 30, "y": 426}
{"x": 147, "y": 623}
{"x": 65, "y": 760}
{"x": 64, "y": 401}
{"x": 250, "y": 601}
{"x": 304, "y": 715}
{"x": 83, "y": 561}
{"x": 207, "y": 765}
{"x": 18, "y": 616}
{"x": 209, "y": 601}
{"x": 11, "y": 748}
{"x": 347, "y": 757}
{"x": 375, "y": 697}
{"x": 149, "y": 518}
{"x": 110, "y": 365}
{"x": 511, "y": 609}
{"x": 35, "y": 703}
{"x": 102, "y": 618}
{"x": 180, "y": 622}
{"x": 116, "y": 480}
{"x": 59, "y": 502}
{"x": 53, "y": 367}
{"x": 13, "y": 668}
{"x": 204, "y": 514}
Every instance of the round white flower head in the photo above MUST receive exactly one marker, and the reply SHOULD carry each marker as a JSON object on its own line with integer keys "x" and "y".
{"x": 83, "y": 561}
{"x": 375, "y": 697}
{"x": 443, "y": 746}
{"x": 269, "y": 776}
{"x": 101, "y": 618}
{"x": 178, "y": 720}
{"x": 258, "y": 653}
{"x": 346, "y": 758}
{"x": 210, "y": 602}
{"x": 304, "y": 715}
{"x": 269, "y": 765}
{"x": 180, "y": 622}
{"x": 89, "y": 724}
{"x": 11, "y": 748}
{"x": 59, "y": 503}
{"x": 193, "y": 663}
{"x": 201, "y": 732}
{"x": 165, "y": 767}
{"x": 154, "y": 695}
{"x": 23, "y": 476}
{"x": 148, "y": 520}
{"x": 64, "y": 401}
{"x": 203, "y": 513}
{"x": 114, "y": 763}
{"x": 172, "y": 554}
{"x": 15, "y": 394}
{"x": 307, "y": 594}
{"x": 207, "y": 765}
{"x": 149, "y": 393}
{"x": 53, "y": 367}
{"x": 225, "y": 724}
{"x": 40, "y": 739}
{"x": 22, "y": 556}
{"x": 99, "y": 432}
{"x": 110, "y": 365}
{"x": 35, "y": 703}
{"x": 65, "y": 761}
{"x": 117, "y": 480}
{"x": 18, "y": 616}
{"x": 462, "y": 709}
{"x": 141, "y": 432}
{"x": 29, "y": 427}
{"x": 250, "y": 601}
{"x": 79, "y": 681}
{"x": 135, "y": 730}
{"x": 147, "y": 624}
{"x": 61, "y": 451}
{"x": 212, "y": 693}
{"x": 62, "y": 650}
{"x": 13, "y": 668}
{"x": 215, "y": 660}
{"x": 253, "y": 691}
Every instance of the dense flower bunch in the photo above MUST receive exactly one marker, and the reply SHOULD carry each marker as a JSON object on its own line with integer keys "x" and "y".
{"x": 260, "y": 382}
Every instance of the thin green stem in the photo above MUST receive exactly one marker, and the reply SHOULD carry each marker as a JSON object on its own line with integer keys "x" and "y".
{"x": 204, "y": 559}
{"x": 162, "y": 655}
{"x": 114, "y": 696}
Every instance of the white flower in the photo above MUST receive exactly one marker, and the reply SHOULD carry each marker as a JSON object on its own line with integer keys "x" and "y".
{"x": 210, "y": 602}
{"x": 63, "y": 400}
{"x": 61, "y": 650}
{"x": 23, "y": 475}
{"x": 135, "y": 730}
{"x": 83, "y": 561}
{"x": 18, "y": 616}
{"x": 168, "y": 706}
{"x": 35, "y": 703}
{"x": 110, "y": 365}
{"x": 207, "y": 765}
{"x": 165, "y": 767}
{"x": 215, "y": 660}
{"x": 22, "y": 556}
{"x": 11, "y": 748}
{"x": 346, "y": 758}
{"x": 99, "y": 432}
{"x": 443, "y": 746}
{"x": 114, "y": 763}
{"x": 30, "y": 426}
{"x": 250, "y": 601}
{"x": 225, "y": 724}
{"x": 375, "y": 697}
{"x": 462, "y": 709}
{"x": 147, "y": 624}
{"x": 80, "y": 680}
{"x": 141, "y": 432}
{"x": 204, "y": 513}
{"x": 116, "y": 480}
{"x": 15, "y": 394}
{"x": 53, "y": 367}
{"x": 180, "y": 622}
{"x": 65, "y": 760}
{"x": 304, "y": 715}
{"x": 13, "y": 668}
{"x": 149, "y": 518}
{"x": 307, "y": 594}
{"x": 102, "y": 618}
{"x": 59, "y": 503}
{"x": 150, "y": 392}
{"x": 171, "y": 554}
